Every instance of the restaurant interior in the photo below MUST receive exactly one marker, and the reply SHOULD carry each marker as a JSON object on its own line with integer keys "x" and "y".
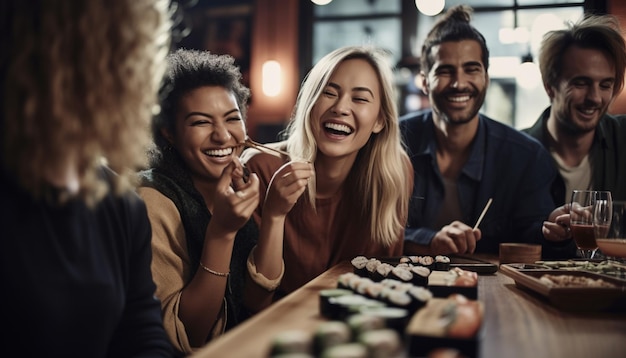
{"x": 275, "y": 42}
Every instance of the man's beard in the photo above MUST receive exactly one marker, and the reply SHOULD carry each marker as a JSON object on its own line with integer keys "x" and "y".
{"x": 479, "y": 98}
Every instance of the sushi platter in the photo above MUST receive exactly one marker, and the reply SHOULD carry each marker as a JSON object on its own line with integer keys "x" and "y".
{"x": 426, "y": 301}
{"x": 570, "y": 289}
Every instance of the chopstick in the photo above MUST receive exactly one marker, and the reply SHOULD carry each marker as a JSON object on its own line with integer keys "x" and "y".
{"x": 250, "y": 143}
{"x": 483, "y": 213}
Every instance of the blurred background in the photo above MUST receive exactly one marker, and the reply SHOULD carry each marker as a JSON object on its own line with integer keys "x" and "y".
{"x": 275, "y": 43}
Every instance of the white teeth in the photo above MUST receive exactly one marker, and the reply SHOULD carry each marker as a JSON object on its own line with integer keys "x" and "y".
{"x": 338, "y": 127}
{"x": 219, "y": 152}
{"x": 459, "y": 99}
{"x": 587, "y": 111}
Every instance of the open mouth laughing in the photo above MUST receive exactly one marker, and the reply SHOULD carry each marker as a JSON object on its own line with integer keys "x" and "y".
{"x": 338, "y": 129}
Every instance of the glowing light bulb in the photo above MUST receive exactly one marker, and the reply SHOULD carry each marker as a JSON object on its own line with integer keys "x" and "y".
{"x": 272, "y": 78}
{"x": 430, "y": 7}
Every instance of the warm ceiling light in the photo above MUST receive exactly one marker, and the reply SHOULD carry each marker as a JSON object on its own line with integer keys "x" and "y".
{"x": 430, "y": 7}
{"x": 321, "y": 2}
{"x": 272, "y": 78}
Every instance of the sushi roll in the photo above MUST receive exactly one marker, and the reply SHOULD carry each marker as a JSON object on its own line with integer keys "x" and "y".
{"x": 427, "y": 261}
{"x": 371, "y": 266}
{"x": 339, "y": 307}
{"x": 345, "y": 280}
{"x": 420, "y": 275}
{"x": 382, "y": 272}
{"x": 382, "y": 343}
{"x": 405, "y": 260}
{"x": 292, "y": 342}
{"x": 329, "y": 334}
{"x": 326, "y": 308}
{"x": 442, "y": 263}
{"x": 401, "y": 274}
{"x": 351, "y": 350}
{"x": 373, "y": 291}
{"x": 395, "y": 318}
{"x": 399, "y": 299}
{"x": 362, "y": 285}
{"x": 360, "y": 323}
{"x": 420, "y": 297}
{"x": 358, "y": 265}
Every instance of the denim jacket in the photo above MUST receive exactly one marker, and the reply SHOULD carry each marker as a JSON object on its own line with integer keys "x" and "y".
{"x": 504, "y": 164}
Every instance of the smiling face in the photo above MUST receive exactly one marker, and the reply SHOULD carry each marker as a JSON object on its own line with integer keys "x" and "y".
{"x": 584, "y": 91}
{"x": 457, "y": 82}
{"x": 209, "y": 127}
{"x": 348, "y": 111}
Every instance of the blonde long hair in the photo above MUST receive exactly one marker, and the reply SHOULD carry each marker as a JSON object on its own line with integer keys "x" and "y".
{"x": 380, "y": 172}
{"x": 80, "y": 78}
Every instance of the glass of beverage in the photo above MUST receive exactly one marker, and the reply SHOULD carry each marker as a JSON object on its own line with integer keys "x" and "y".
{"x": 602, "y": 214}
{"x": 613, "y": 243}
{"x": 581, "y": 221}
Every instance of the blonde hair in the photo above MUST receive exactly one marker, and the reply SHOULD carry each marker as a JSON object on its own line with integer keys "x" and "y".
{"x": 80, "y": 78}
{"x": 380, "y": 172}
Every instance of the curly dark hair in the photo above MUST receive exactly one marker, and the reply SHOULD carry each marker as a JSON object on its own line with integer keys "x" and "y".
{"x": 454, "y": 25}
{"x": 191, "y": 69}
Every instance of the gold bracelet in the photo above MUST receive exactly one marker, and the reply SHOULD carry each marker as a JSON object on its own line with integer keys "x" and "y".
{"x": 220, "y": 274}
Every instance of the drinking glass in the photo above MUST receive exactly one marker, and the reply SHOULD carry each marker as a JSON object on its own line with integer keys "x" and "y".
{"x": 602, "y": 214}
{"x": 613, "y": 243}
{"x": 581, "y": 222}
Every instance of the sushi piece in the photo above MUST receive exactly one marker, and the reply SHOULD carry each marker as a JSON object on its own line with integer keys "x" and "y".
{"x": 358, "y": 265}
{"x": 400, "y": 299}
{"x": 292, "y": 342}
{"x": 442, "y": 263}
{"x": 420, "y": 275}
{"x": 382, "y": 272}
{"x": 371, "y": 266}
{"x": 427, "y": 261}
{"x": 419, "y": 297}
{"x": 382, "y": 343}
{"x": 339, "y": 307}
{"x": 395, "y": 318}
{"x": 326, "y": 308}
{"x": 351, "y": 350}
{"x": 360, "y": 323}
{"x": 346, "y": 280}
{"x": 401, "y": 274}
{"x": 329, "y": 334}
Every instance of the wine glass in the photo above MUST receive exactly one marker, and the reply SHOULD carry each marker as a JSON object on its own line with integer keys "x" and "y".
{"x": 613, "y": 243}
{"x": 581, "y": 222}
{"x": 602, "y": 214}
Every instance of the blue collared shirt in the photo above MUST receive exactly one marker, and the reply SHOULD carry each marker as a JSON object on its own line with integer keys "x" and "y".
{"x": 504, "y": 164}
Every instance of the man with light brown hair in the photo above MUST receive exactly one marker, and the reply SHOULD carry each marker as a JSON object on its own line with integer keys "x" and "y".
{"x": 582, "y": 68}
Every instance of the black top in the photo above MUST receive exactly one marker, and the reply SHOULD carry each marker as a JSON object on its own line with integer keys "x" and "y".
{"x": 77, "y": 280}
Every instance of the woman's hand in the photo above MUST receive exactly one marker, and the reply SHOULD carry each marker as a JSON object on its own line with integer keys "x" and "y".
{"x": 235, "y": 199}
{"x": 286, "y": 186}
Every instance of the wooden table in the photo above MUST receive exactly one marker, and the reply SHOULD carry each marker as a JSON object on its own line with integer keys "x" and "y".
{"x": 517, "y": 323}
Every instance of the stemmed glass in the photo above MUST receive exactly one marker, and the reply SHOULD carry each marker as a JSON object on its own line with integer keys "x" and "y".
{"x": 602, "y": 214}
{"x": 581, "y": 221}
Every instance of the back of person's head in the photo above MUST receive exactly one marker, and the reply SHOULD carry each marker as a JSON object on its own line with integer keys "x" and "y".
{"x": 600, "y": 32}
{"x": 79, "y": 83}
{"x": 453, "y": 25}
{"x": 188, "y": 70}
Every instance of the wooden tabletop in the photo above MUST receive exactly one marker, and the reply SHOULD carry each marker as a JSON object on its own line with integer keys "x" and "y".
{"x": 517, "y": 323}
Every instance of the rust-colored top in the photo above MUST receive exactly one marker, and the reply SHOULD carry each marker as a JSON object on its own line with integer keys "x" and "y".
{"x": 316, "y": 240}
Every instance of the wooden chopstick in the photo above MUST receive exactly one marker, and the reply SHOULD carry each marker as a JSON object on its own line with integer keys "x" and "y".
{"x": 250, "y": 143}
{"x": 483, "y": 213}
